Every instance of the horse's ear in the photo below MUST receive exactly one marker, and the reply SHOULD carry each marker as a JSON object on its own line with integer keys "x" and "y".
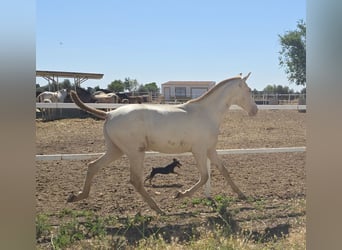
{"x": 245, "y": 78}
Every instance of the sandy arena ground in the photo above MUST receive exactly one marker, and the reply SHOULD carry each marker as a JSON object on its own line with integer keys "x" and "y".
{"x": 276, "y": 182}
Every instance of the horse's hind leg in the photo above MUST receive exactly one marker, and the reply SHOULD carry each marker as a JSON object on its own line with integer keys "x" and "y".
{"x": 93, "y": 167}
{"x": 212, "y": 155}
{"x": 44, "y": 114}
{"x": 136, "y": 161}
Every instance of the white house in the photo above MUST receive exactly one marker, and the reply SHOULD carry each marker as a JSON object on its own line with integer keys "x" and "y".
{"x": 185, "y": 90}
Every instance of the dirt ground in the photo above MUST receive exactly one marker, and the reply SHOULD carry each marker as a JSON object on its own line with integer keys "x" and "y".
{"x": 274, "y": 182}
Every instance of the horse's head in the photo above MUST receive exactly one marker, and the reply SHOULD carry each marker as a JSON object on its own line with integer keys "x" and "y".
{"x": 62, "y": 94}
{"x": 243, "y": 96}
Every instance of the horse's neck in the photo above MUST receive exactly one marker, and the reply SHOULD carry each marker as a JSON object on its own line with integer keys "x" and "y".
{"x": 61, "y": 95}
{"x": 216, "y": 103}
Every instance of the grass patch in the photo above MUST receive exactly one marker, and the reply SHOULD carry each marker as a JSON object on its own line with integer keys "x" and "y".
{"x": 67, "y": 234}
{"x": 43, "y": 227}
{"x": 207, "y": 241}
{"x": 217, "y": 229}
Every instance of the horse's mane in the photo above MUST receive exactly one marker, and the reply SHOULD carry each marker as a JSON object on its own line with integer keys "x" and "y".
{"x": 213, "y": 89}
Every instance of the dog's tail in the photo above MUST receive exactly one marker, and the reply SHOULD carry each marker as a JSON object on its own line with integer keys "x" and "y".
{"x": 96, "y": 112}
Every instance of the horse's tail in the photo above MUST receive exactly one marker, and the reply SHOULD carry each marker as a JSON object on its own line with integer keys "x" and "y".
{"x": 96, "y": 112}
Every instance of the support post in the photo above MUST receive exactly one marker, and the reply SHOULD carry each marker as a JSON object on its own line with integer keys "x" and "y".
{"x": 207, "y": 184}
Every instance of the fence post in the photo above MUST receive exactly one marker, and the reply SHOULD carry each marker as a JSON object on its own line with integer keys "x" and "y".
{"x": 207, "y": 184}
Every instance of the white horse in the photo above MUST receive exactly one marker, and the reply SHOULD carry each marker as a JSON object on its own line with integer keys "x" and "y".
{"x": 57, "y": 96}
{"x": 189, "y": 127}
{"x": 102, "y": 97}
{"x": 51, "y": 97}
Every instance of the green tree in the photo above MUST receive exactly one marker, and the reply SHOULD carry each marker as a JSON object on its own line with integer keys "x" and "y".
{"x": 66, "y": 84}
{"x": 96, "y": 88}
{"x": 278, "y": 89}
{"x": 116, "y": 86}
{"x": 269, "y": 89}
{"x": 130, "y": 84}
{"x": 293, "y": 54}
{"x": 149, "y": 87}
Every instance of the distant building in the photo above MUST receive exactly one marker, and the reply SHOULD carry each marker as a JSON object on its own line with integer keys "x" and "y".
{"x": 185, "y": 90}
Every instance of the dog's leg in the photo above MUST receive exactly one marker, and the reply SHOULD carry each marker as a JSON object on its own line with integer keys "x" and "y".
{"x": 148, "y": 178}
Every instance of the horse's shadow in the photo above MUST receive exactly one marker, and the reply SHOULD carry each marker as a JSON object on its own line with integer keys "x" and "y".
{"x": 139, "y": 227}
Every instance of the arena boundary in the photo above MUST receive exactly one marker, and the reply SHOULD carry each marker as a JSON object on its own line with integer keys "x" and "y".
{"x": 116, "y": 105}
{"x": 56, "y": 157}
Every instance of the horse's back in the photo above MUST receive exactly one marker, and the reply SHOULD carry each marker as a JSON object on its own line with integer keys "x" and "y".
{"x": 145, "y": 111}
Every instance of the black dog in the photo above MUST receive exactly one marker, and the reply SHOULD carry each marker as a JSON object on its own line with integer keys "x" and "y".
{"x": 164, "y": 170}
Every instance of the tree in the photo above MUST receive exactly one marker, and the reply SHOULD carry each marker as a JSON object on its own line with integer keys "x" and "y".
{"x": 66, "y": 84}
{"x": 96, "y": 88}
{"x": 293, "y": 54}
{"x": 54, "y": 86}
{"x": 269, "y": 89}
{"x": 277, "y": 89}
{"x": 149, "y": 87}
{"x": 116, "y": 86}
{"x": 130, "y": 84}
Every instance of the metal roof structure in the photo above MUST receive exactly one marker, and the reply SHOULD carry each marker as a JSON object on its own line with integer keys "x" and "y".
{"x": 78, "y": 76}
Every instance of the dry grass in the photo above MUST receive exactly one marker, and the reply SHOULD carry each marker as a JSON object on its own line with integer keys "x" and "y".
{"x": 296, "y": 241}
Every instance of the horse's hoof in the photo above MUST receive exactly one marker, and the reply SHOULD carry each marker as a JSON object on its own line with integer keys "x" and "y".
{"x": 161, "y": 212}
{"x": 178, "y": 195}
{"x": 242, "y": 197}
{"x": 71, "y": 198}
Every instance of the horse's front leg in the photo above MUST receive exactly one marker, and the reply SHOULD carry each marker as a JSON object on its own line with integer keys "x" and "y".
{"x": 201, "y": 160}
{"x": 213, "y": 157}
{"x": 136, "y": 160}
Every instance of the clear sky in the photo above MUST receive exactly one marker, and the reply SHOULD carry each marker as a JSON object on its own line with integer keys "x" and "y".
{"x": 159, "y": 41}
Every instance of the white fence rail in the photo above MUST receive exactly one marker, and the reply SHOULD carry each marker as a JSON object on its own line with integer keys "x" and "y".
{"x": 61, "y": 105}
{"x": 116, "y": 105}
{"x": 56, "y": 157}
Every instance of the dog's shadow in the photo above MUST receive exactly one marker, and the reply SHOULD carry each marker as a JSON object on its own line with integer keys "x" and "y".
{"x": 167, "y": 185}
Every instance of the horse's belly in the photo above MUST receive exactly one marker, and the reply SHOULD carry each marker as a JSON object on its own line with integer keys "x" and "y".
{"x": 170, "y": 146}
